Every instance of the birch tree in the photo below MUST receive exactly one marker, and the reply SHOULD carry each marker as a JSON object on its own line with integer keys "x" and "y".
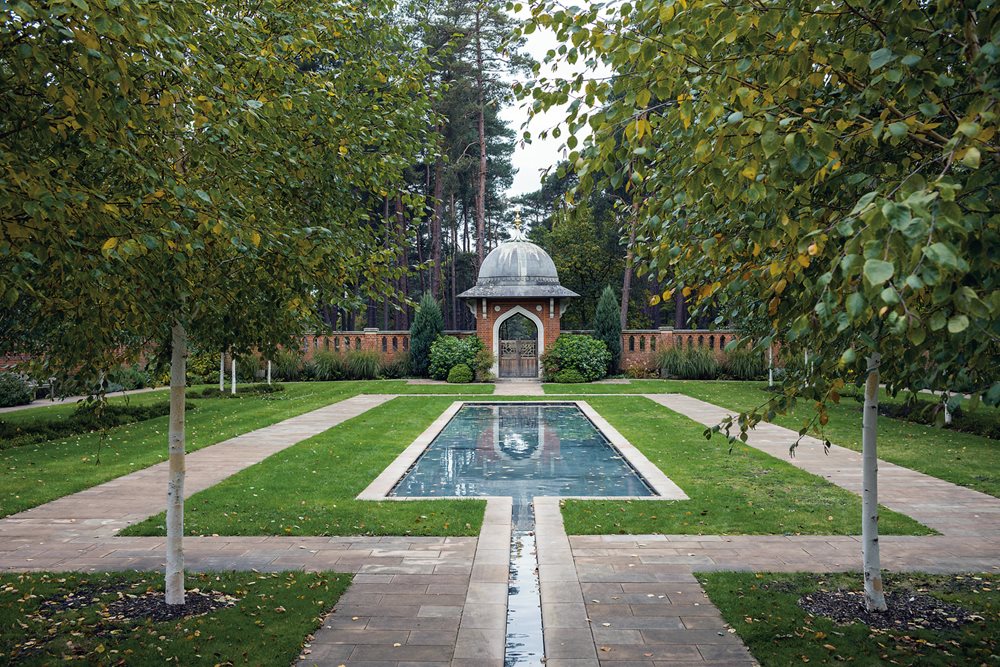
{"x": 829, "y": 169}
{"x": 156, "y": 178}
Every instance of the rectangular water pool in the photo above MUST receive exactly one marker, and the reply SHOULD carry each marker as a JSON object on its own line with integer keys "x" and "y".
{"x": 521, "y": 450}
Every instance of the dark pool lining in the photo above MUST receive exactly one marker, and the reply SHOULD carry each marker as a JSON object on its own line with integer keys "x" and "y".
{"x": 575, "y": 404}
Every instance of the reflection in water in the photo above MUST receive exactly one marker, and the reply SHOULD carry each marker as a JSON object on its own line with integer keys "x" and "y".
{"x": 521, "y": 451}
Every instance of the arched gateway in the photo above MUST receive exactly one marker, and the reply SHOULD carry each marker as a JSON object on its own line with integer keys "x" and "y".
{"x": 517, "y": 303}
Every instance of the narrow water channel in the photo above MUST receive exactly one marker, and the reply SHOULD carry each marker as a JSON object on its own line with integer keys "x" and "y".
{"x": 525, "y": 641}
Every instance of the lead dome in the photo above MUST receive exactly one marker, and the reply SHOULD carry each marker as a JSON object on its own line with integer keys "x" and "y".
{"x": 518, "y": 269}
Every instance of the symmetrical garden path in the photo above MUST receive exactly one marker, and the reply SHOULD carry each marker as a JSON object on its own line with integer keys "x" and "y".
{"x": 606, "y": 600}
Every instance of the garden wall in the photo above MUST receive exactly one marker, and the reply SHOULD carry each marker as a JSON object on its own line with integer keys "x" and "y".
{"x": 639, "y": 346}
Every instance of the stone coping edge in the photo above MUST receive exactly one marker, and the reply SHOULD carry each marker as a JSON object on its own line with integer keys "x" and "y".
{"x": 661, "y": 485}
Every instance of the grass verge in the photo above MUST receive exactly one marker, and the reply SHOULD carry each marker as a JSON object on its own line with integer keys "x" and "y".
{"x": 961, "y": 458}
{"x": 268, "y": 624}
{"x": 309, "y": 488}
{"x": 743, "y": 492}
{"x": 764, "y": 611}
{"x": 35, "y": 474}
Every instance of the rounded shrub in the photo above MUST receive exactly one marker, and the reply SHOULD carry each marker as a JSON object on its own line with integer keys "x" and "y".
{"x": 587, "y": 356}
{"x": 449, "y": 351}
{"x": 569, "y": 376}
{"x": 460, "y": 374}
{"x": 14, "y": 390}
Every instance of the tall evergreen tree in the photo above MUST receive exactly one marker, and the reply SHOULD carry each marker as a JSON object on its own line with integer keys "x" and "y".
{"x": 428, "y": 324}
{"x": 607, "y": 326}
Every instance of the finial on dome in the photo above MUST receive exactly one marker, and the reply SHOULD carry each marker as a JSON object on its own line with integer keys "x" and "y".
{"x": 518, "y": 234}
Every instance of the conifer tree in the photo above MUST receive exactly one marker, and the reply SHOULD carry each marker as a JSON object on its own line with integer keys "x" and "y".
{"x": 607, "y": 326}
{"x": 428, "y": 324}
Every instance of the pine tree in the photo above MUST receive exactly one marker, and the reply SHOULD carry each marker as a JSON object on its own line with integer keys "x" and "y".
{"x": 428, "y": 324}
{"x": 607, "y": 326}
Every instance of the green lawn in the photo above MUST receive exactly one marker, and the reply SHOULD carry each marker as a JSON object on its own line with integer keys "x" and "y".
{"x": 743, "y": 492}
{"x": 56, "y": 410}
{"x": 272, "y": 615}
{"x": 764, "y": 610}
{"x": 962, "y": 458}
{"x": 309, "y": 488}
{"x": 35, "y": 474}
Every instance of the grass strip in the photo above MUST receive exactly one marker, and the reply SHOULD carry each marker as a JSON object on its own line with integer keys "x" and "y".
{"x": 35, "y": 474}
{"x": 272, "y": 615}
{"x": 763, "y": 609}
{"x": 961, "y": 458}
{"x": 745, "y": 492}
{"x": 309, "y": 488}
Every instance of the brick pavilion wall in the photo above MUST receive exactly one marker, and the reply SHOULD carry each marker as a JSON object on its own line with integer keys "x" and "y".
{"x": 639, "y": 346}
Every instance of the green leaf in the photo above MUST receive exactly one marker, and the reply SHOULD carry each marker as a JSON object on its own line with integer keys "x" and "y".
{"x": 855, "y": 304}
{"x": 770, "y": 142}
{"x": 877, "y": 271}
{"x": 958, "y": 324}
{"x": 880, "y": 58}
{"x": 898, "y": 129}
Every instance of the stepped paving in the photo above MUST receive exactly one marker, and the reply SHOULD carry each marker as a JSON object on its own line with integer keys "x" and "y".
{"x": 606, "y": 600}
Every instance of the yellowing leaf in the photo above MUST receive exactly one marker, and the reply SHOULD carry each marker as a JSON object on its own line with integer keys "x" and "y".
{"x": 255, "y": 238}
{"x": 110, "y": 244}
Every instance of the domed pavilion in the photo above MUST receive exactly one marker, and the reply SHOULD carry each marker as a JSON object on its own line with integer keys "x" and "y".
{"x": 517, "y": 302}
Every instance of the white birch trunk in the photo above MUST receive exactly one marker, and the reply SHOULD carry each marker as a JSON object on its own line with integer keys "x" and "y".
{"x": 232, "y": 372}
{"x": 222, "y": 372}
{"x": 874, "y": 597}
{"x": 269, "y": 371}
{"x": 175, "y": 481}
{"x": 770, "y": 366}
{"x": 947, "y": 412}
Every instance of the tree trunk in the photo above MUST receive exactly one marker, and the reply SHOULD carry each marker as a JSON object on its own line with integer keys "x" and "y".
{"x": 232, "y": 372}
{"x": 175, "y": 481}
{"x": 454, "y": 257}
{"x": 436, "y": 272}
{"x": 874, "y": 598}
{"x": 222, "y": 372}
{"x": 481, "y": 176}
{"x": 627, "y": 281}
{"x": 401, "y": 240}
{"x": 680, "y": 310}
{"x": 388, "y": 235}
{"x": 269, "y": 371}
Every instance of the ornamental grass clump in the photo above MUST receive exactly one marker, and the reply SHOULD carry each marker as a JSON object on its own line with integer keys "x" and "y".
{"x": 363, "y": 365}
{"x": 684, "y": 363}
{"x": 745, "y": 365}
{"x": 586, "y": 355}
{"x": 329, "y": 366}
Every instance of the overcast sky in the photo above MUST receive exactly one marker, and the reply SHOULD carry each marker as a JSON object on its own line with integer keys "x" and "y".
{"x": 531, "y": 159}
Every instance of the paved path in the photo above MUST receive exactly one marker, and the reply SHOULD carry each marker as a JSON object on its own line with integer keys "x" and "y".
{"x": 103, "y": 510}
{"x": 606, "y": 600}
{"x": 947, "y": 508}
{"x": 45, "y": 402}
{"x": 518, "y": 388}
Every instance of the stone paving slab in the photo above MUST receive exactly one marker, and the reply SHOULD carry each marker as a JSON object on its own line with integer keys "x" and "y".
{"x": 518, "y": 388}
{"x": 946, "y": 507}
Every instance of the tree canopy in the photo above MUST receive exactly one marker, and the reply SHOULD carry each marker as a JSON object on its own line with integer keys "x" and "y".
{"x": 829, "y": 168}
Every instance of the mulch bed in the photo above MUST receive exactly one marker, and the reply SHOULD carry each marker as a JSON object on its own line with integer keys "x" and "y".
{"x": 907, "y": 610}
{"x": 153, "y": 606}
{"x": 147, "y": 605}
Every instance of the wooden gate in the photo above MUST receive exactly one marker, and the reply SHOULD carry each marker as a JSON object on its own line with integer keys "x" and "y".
{"x": 518, "y": 348}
